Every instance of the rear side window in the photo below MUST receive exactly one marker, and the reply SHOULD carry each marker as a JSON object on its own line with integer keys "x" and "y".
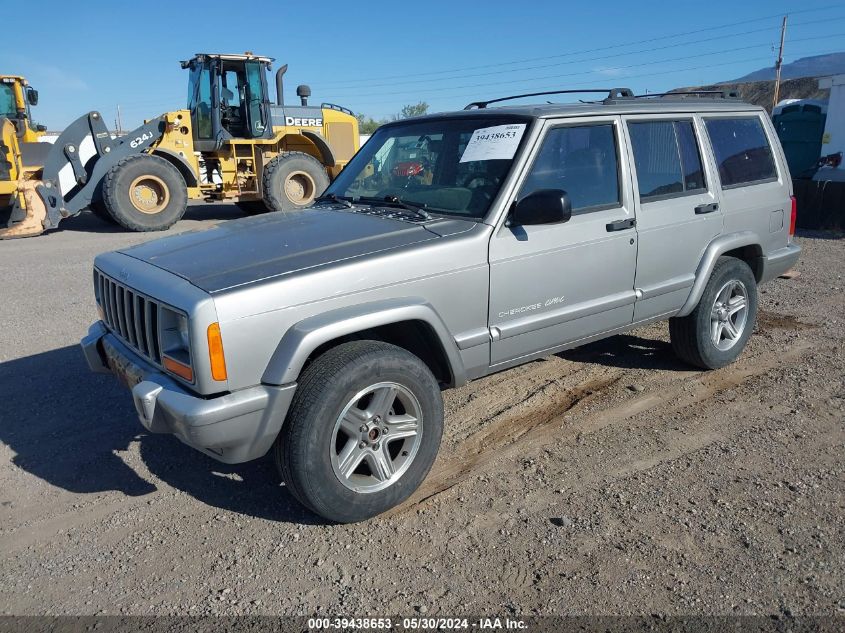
{"x": 582, "y": 161}
{"x": 742, "y": 151}
{"x": 667, "y": 159}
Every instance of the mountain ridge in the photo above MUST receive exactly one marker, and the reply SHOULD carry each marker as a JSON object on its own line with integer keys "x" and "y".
{"x": 812, "y": 66}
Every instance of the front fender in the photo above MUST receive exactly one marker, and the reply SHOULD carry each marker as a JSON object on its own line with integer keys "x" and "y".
{"x": 179, "y": 162}
{"x": 714, "y": 250}
{"x": 303, "y": 338}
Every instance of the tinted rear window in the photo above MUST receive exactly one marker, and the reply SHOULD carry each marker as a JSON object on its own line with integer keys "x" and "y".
{"x": 742, "y": 150}
{"x": 666, "y": 157}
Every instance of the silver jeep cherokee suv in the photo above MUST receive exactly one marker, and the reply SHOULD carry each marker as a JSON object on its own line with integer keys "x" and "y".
{"x": 452, "y": 246}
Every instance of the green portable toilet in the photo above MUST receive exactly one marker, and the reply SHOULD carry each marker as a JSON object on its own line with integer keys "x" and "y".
{"x": 800, "y": 127}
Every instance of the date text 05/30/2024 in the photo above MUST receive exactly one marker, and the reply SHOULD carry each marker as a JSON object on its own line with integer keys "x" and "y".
{"x": 411, "y": 624}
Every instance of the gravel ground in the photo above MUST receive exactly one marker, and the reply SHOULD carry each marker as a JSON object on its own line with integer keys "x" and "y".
{"x": 611, "y": 479}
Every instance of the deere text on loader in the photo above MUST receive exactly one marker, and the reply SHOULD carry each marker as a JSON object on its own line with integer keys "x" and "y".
{"x": 229, "y": 144}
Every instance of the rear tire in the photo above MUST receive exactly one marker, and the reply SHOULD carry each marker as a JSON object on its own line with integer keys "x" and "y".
{"x": 716, "y": 331}
{"x": 334, "y": 453}
{"x": 145, "y": 193}
{"x": 292, "y": 181}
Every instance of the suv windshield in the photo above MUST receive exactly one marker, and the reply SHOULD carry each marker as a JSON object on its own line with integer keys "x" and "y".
{"x": 451, "y": 166}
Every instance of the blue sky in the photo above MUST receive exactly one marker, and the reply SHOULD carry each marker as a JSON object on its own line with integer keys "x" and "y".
{"x": 376, "y": 56}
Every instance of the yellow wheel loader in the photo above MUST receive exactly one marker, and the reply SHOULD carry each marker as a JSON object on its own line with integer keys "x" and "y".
{"x": 230, "y": 143}
{"x": 21, "y": 154}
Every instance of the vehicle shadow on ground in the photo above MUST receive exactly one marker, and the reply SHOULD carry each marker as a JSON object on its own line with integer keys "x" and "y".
{"x": 628, "y": 351}
{"x": 69, "y": 427}
{"x": 87, "y": 222}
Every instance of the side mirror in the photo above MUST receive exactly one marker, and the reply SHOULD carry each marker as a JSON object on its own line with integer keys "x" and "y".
{"x": 32, "y": 96}
{"x": 40, "y": 128}
{"x": 545, "y": 206}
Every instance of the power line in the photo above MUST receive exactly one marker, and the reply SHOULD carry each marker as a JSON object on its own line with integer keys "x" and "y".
{"x": 563, "y": 75}
{"x": 590, "y": 59}
{"x": 594, "y": 50}
{"x": 638, "y": 76}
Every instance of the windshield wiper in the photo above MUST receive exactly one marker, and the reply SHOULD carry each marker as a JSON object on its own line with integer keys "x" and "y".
{"x": 333, "y": 197}
{"x": 413, "y": 207}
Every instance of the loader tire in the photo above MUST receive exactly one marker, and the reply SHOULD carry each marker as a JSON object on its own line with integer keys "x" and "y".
{"x": 145, "y": 193}
{"x": 292, "y": 180}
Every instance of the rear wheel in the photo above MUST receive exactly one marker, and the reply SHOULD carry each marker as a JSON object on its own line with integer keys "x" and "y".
{"x": 292, "y": 181}
{"x": 145, "y": 193}
{"x": 362, "y": 432}
{"x": 716, "y": 331}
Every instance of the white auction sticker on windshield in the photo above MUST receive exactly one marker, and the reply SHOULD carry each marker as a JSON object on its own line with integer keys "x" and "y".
{"x": 493, "y": 143}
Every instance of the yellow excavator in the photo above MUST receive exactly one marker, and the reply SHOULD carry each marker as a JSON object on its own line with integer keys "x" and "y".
{"x": 230, "y": 143}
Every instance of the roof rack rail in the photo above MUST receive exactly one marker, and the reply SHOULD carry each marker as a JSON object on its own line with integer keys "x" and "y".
{"x": 612, "y": 93}
{"x": 712, "y": 94}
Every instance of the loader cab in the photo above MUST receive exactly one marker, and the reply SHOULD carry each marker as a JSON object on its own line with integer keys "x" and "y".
{"x": 16, "y": 97}
{"x": 228, "y": 99}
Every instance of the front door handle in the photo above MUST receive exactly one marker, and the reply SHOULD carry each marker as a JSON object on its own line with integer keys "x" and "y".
{"x": 621, "y": 225}
{"x": 706, "y": 208}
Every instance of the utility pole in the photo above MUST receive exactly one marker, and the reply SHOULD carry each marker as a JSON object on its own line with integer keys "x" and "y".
{"x": 779, "y": 62}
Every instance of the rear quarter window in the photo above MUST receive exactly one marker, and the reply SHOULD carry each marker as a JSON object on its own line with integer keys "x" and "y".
{"x": 742, "y": 150}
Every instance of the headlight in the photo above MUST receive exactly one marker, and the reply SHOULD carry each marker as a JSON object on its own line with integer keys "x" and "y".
{"x": 176, "y": 343}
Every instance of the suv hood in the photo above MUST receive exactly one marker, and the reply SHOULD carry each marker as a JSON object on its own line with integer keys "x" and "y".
{"x": 250, "y": 249}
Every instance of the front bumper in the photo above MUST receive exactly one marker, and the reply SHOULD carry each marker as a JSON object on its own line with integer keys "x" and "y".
{"x": 232, "y": 428}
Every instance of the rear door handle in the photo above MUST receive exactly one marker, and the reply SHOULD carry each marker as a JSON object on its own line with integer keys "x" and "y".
{"x": 621, "y": 225}
{"x": 706, "y": 208}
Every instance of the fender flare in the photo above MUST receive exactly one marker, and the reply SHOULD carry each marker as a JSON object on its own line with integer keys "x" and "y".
{"x": 301, "y": 339}
{"x": 323, "y": 146}
{"x": 179, "y": 163}
{"x": 714, "y": 250}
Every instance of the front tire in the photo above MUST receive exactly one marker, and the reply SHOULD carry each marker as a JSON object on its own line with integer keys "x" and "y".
{"x": 362, "y": 432}
{"x": 145, "y": 193}
{"x": 292, "y": 181}
{"x": 716, "y": 331}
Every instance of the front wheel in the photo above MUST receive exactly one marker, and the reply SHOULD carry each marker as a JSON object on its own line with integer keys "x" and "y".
{"x": 362, "y": 432}
{"x": 145, "y": 193}
{"x": 716, "y": 331}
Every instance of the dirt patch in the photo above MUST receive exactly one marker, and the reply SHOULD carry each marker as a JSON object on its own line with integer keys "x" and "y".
{"x": 774, "y": 321}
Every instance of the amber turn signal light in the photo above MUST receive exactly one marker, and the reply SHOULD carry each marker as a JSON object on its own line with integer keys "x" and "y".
{"x": 215, "y": 352}
{"x": 180, "y": 369}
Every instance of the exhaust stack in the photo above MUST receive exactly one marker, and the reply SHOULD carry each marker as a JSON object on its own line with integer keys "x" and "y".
{"x": 280, "y": 95}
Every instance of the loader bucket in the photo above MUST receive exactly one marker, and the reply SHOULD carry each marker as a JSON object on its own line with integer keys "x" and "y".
{"x": 73, "y": 171}
{"x": 35, "y": 215}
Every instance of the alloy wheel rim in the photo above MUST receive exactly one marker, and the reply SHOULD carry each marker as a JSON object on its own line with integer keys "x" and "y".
{"x": 376, "y": 437}
{"x": 149, "y": 194}
{"x": 729, "y": 315}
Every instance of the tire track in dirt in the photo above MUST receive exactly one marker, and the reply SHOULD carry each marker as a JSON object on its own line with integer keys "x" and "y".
{"x": 504, "y": 433}
{"x": 527, "y": 433}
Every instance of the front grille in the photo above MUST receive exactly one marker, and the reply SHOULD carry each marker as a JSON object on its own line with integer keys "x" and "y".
{"x": 131, "y": 316}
